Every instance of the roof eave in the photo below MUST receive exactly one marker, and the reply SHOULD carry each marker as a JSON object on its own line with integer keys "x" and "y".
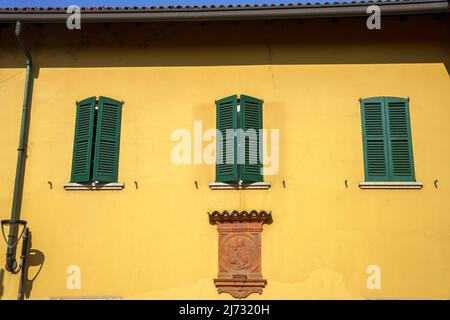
{"x": 241, "y": 13}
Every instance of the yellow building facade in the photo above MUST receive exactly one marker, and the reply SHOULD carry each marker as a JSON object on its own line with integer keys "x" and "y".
{"x": 153, "y": 239}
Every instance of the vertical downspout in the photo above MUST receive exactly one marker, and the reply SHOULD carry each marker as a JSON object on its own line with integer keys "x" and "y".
{"x": 11, "y": 263}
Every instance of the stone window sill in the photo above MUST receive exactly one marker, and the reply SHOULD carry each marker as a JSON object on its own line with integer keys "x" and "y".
{"x": 236, "y": 186}
{"x": 391, "y": 185}
{"x": 94, "y": 186}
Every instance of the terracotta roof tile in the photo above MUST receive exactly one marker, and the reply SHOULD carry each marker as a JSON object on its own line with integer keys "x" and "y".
{"x": 179, "y": 7}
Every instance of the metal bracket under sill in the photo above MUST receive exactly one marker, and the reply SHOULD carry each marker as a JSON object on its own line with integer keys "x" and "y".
{"x": 391, "y": 185}
{"x": 94, "y": 186}
{"x": 237, "y": 186}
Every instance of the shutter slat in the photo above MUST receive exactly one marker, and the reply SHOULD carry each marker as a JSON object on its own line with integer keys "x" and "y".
{"x": 226, "y": 119}
{"x": 82, "y": 149}
{"x": 376, "y": 160}
{"x": 399, "y": 139}
{"x": 251, "y": 123}
{"x": 107, "y": 142}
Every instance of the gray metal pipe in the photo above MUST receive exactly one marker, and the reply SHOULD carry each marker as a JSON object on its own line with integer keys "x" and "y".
{"x": 23, "y": 264}
{"x": 11, "y": 263}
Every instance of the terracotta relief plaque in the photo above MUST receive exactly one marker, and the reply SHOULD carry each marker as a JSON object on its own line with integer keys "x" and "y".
{"x": 240, "y": 251}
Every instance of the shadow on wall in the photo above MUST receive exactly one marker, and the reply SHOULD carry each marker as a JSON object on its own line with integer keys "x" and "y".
{"x": 2, "y": 276}
{"x": 411, "y": 39}
{"x": 33, "y": 267}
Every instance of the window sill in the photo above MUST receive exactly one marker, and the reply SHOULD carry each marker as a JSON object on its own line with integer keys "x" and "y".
{"x": 236, "y": 186}
{"x": 94, "y": 186}
{"x": 391, "y": 185}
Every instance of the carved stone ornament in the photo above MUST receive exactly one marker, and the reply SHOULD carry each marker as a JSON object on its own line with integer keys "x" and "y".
{"x": 240, "y": 251}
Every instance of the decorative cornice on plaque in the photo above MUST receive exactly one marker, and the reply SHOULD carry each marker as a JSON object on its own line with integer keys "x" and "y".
{"x": 236, "y": 216}
{"x": 240, "y": 251}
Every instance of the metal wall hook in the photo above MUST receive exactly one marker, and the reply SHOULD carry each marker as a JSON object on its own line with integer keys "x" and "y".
{"x": 346, "y": 183}
{"x": 50, "y": 184}
{"x": 136, "y": 185}
{"x": 196, "y": 185}
{"x": 435, "y": 183}
{"x": 284, "y": 184}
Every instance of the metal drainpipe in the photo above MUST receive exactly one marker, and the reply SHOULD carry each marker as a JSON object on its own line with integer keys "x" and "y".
{"x": 11, "y": 263}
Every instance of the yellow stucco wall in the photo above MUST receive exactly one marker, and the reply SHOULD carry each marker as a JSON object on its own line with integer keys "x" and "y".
{"x": 156, "y": 241}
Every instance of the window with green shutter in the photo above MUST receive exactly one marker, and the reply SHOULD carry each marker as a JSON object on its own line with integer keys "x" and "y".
{"x": 388, "y": 154}
{"x": 83, "y": 142}
{"x": 239, "y": 139}
{"x": 250, "y": 116}
{"x": 97, "y": 140}
{"x": 227, "y": 123}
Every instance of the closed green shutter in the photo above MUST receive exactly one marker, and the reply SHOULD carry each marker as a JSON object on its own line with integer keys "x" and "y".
{"x": 399, "y": 139}
{"x": 106, "y": 159}
{"x": 226, "y": 158}
{"x": 82, "y": 147}
{"x": 250, "y": 116}
{"x": 376, "y": 159}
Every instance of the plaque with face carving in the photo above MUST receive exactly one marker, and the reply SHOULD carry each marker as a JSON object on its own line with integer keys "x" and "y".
{"x": 239, "y": 254}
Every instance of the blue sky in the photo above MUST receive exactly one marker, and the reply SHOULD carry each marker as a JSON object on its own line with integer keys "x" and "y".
{"x": 118, "y": 3}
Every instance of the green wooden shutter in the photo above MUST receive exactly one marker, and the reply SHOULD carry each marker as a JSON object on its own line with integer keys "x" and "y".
{"x": 82, "y": 146}
{"x": 399, "y": 139}
{"x": 226, "y": 156}
{"x": 250, "y": 116}
{"x": 107, "y": 141}
{"x": 376, "y": 159}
